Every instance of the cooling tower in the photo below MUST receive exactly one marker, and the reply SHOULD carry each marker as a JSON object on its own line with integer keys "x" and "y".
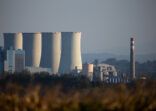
{"x": 18, "y": 41}
{"x": 8, "y": 40}
{"x": 71, "y": 53}
{"x": 1, "y": 40}
{"x": 55, "y": 51}
{"x": 36, "y": 49}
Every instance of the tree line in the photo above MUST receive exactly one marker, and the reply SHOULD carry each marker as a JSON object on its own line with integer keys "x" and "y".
{"x": 147, "y": 68}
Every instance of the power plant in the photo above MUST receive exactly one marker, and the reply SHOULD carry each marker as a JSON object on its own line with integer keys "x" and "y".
{"x": 36, "y": 49}
{"x": 55, "y": 52}
{"x": 132, "y": 59}
{"x": 71, "y": 53}
{"x": 62, "y": 51}
{"x": 18, "y": 41}
{"x": 64, "y": 57}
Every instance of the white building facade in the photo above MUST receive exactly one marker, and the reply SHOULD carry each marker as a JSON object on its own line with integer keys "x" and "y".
{"x": 19, "y": 60}
{"x": 15, "y": 60}
{"x": 102, "y": 72}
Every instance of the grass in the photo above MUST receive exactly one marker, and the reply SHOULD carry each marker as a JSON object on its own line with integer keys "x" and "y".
{"x": 139, "y": 96}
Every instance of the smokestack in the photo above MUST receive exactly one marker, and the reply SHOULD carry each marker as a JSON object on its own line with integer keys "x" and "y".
{"x": 55, "y": 52}
{"x": 71, "y": 53}
{"x": 18, "y": 41}
{"x": 36, "y": 49}
{"x": 132, "y": 59}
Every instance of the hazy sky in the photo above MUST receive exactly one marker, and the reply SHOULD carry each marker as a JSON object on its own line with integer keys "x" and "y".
{"x": 107, "y": 25}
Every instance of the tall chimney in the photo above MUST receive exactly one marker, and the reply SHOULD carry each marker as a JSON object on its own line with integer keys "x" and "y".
{"x": 132, "y": 59}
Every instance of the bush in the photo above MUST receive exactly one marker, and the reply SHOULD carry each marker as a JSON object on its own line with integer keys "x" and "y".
{"x": 139, "y": 95}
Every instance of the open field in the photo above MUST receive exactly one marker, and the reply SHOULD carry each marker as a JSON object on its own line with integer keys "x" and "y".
{"x": 140, "y": 96}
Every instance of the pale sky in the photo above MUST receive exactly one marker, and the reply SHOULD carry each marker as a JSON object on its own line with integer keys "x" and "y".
{"x": 107, "y": 25}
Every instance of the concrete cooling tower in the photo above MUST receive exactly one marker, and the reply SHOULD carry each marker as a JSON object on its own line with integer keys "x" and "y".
{"x": 36, "y": 49}
{"x": 18, "y": 41}
{"x": 8, "y": 40}
{"x": 1, "y": 40}
{"x": 71, "y": 53}
{"x": 55, "y": 52}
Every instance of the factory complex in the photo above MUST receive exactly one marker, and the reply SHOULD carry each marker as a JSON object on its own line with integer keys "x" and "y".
{"x": 24, "y": 51}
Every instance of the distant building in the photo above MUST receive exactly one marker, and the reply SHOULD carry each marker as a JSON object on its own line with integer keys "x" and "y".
{"x": 19, "y": 60}
{"x": 15, "y": 60}
{"x": 87, "y": 71}
{"x": 10, "y": 60}
{"x": 63, "y": 50}
{"x": 102, "y": 72}
{"x": 38, "y": 69}
{"x": 1, "y": 60}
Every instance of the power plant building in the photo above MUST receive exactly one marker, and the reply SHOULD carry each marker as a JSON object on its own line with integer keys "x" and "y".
{"x": 62, "y": 48}
{"x": 88, "y": 71}
{"x": 15, "y": 60}
{"x": 11, "y": 60}
{"x": 71, "y": 53}
{"x": 19, "y": 60}
{"x": 102, "y": 72}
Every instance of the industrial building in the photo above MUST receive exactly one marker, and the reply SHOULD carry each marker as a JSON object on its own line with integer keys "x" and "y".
{"x": 30, "y": 42}
{"x": 10, "y": 62}
{"x": 60, "y": 52}
{"x": 87, "y": 71}
{"x": 19, "y": 60}
{"x": 63, "y": 57}
{"x": 15, "y": 60}
{"x": 102, "y": 72}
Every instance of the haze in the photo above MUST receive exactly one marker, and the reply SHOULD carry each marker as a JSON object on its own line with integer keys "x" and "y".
{"x": 107, "y": 25}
